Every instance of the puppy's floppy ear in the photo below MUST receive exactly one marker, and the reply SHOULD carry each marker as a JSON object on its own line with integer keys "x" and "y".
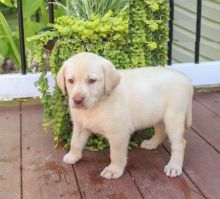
{"x": 61, "y": 79}
{"x": 112, "y": 76}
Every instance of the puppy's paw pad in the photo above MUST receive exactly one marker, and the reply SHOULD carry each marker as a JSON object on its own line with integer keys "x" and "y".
{"x": 149, "y": 144}
{"x": 172, "y": 170}
{"x": 70, "y": 158}
{"x": 111, "y": 172}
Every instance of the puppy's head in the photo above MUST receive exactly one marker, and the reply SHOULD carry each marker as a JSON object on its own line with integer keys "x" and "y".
{"x": 87, "y": 77}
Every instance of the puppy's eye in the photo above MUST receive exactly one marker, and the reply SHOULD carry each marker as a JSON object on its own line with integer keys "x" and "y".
{"x": 71, "y": 81}
{"x": 92, "y": 81}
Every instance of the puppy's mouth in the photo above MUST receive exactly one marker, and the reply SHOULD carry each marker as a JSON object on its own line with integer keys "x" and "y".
{"x": 83, "y": 105}
{"x": 79, "y": 106}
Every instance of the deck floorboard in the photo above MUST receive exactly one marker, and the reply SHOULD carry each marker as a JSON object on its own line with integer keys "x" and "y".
{"x": 10, "y": 172}
{"x": 207, "y": 125}
{"x": 212, "y": 102}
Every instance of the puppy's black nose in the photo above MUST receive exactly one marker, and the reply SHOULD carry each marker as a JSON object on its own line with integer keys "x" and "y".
{"x": 78, "y": 100}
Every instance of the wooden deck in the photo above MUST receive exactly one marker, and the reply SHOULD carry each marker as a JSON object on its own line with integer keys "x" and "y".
{"x": 31, "y": 168}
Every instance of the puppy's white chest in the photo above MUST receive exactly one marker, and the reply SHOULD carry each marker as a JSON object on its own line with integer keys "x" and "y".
{"x": 90, "y": 122}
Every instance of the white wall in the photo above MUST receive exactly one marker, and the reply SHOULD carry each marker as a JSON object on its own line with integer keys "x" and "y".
{"x": 21, "y": 86}
{"x": 185, "y": 29}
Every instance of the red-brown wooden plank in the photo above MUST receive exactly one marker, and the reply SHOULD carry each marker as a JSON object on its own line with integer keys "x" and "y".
{"x": 44, "y": 174}
{"x": 10, "y": 175}
{"x": 147, "y": 169}
{"x": 95, "y": 187}
{"x": 206, "y": 124}
{"x": 210, "y": 100}
{"x": 202, "y": 164}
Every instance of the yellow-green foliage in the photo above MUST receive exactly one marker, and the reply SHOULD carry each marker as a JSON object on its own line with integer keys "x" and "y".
{"x": 132, "y": 39}
{"x": 148, "y": 32}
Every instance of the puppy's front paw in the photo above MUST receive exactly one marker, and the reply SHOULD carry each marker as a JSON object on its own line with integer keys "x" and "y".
{"x": 111, "y": 172}
{"x": 172, "y": 170}
{"x": 71, "y": 158}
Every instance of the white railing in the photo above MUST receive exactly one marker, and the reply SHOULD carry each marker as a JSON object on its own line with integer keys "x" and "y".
{"x": 23, "y": 86}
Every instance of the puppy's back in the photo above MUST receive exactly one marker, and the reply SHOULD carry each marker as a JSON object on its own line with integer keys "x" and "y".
{"x": 155, "y": 77}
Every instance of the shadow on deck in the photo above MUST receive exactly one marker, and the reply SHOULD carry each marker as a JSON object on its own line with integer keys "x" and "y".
{"x": 31, "y": 168}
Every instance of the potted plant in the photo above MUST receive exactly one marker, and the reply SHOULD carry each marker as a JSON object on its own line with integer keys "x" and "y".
{"x": 129, "y": 33}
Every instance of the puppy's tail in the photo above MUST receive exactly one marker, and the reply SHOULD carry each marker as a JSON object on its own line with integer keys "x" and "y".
{"x": 189, "y": 116}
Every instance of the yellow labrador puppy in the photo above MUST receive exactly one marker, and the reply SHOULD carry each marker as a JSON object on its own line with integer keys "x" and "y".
{"x": 116, "y": 103}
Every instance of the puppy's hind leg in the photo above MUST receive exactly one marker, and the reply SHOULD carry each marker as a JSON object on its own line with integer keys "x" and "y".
{"x": 78, "y": 141}
{"x": 174, "y": 123}
{"x": 157, "y": 138}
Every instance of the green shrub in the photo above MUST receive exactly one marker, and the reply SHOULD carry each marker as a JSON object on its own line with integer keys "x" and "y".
{"x": 132, "y": 39}
{"x": 148, "y": 32}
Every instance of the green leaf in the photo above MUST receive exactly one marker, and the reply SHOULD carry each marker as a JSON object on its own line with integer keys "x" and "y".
{"x": 1, "y": 59}
{"x": 30, "y": 7}
{"x": 4, "y": 46}
{"x": 7, "y": 3}
{"x": 13, "y": 50}
{"x": 32, "y": 27}
{"x": 44, "y": 13}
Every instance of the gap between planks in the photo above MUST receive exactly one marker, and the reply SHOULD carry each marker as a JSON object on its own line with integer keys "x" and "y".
{"x": 21, "y": 166}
